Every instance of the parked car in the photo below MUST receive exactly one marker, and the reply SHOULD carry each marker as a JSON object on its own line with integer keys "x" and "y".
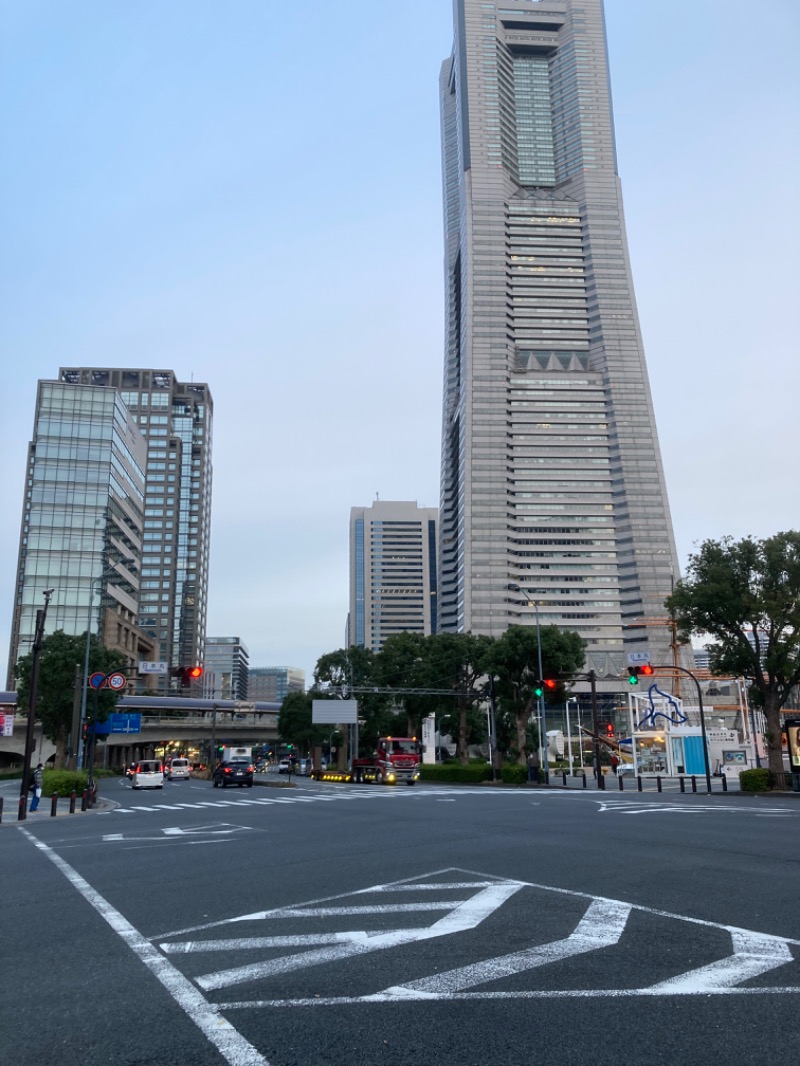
{"x": 236, "y": 772}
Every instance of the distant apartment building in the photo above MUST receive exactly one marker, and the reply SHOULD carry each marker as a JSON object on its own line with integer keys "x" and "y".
{"x": 226, "y": 668}
{"x": 176, "y": 420}
{"x": 82, "y": 522}
{"x": 393, "y": 552}
{"x": 274, "y": 683}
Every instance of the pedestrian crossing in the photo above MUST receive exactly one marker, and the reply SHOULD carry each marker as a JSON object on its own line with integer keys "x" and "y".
{"x": 345, "y": 795}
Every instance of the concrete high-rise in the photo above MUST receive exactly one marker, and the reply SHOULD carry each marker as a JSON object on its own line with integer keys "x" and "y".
{"x": 227, "y": 668}
{"x": 552, "y": 495}
{"x": 393, "y": 553}
{"x": 176, "y": 419}
{"x": 82, "y": 522}
{"x": 272, "y": 684}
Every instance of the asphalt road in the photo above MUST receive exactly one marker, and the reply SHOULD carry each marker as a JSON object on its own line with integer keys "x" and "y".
{"x": 346, "y": 925}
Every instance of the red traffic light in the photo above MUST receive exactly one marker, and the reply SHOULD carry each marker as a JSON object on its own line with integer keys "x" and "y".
{"x": 197, "y": 671}
{"x": 549, "y": 683}
{"x": 610, "y": 728}
{"x": 646, "y": 669}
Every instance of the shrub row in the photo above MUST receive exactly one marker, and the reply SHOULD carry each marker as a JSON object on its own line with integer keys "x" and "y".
{"x": 62, "y": 782}
{"x": 454, "y": 771}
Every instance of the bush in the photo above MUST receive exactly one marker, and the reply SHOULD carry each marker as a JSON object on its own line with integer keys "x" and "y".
{"x": 454, "y": 771}
{"x": 63, "y": 782}
{"x": 754, "y": 780}
{"x": 513, "y": 774}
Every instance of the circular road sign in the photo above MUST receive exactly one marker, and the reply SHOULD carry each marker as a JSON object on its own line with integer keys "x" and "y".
{"x": 117, "y": 681}
{"x": 96, "y": 680}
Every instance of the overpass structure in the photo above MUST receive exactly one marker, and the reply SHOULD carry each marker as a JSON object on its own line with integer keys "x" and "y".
{"x": 166, "y": 723}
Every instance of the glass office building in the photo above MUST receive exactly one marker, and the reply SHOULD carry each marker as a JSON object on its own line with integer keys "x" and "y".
{"x": 271, "y": 684}
{"x": 227, "y": 670}
{"x": 552, "y": 489}
{"x": 82, "y": 521}
{"x": 176, "y": 419}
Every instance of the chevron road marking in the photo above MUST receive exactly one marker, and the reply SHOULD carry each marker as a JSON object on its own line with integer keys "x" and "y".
{"x": 472, "y": 899}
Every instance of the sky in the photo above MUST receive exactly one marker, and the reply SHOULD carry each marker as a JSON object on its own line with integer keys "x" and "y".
{"x": 249, "y": 193}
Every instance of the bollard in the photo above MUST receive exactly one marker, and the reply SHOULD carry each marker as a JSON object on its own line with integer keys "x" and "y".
{"x": 23, "y": 809}
{"x": 85, "y": 800}
{"x": 53, "y": 804}
{"x": 620, "y": 779}
{"x": 1, "y": 808}
{"x": 694, "y": 783}
{"x": 639, "y": 783}
{"x": 584, "y": 779}
{"x": 683, "y": 783}
{"x": 564, "y": 775}
{"x": 724, "y": 788}
{"x": 658, "y": 783}
{"x": 72, "y": 802}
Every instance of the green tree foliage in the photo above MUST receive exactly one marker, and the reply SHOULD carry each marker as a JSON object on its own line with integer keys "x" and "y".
{"x": 355, "y": 668}
{"x": 458, "y": 661}
{"x": 56, "y": 692}
{"x": 514, "y": 662}
{"x": 746, "y": 595}
{"x": 295, "y": 725}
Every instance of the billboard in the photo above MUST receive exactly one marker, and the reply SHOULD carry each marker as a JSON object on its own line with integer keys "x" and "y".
{"x": 334, "y": 712}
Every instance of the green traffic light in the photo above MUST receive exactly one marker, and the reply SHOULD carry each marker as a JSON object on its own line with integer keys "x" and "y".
{"x": 633, "y": 679}
{"x": 538, "y": 692}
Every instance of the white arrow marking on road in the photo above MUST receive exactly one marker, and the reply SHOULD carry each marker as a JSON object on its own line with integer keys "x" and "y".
{"x": 601, "y": 926}
{"x": 465, "y": 915}
{"x": 753, "y": 954}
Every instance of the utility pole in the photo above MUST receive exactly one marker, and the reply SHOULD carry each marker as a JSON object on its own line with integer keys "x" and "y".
{"x": 601, "y": 783}
{"x": 38, "y": 639}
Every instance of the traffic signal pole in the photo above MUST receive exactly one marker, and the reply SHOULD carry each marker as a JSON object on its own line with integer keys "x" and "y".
{"x": 601, "y": 783}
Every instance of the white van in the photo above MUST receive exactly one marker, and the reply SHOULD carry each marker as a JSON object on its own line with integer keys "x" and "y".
{"x": 178, "y": 769}
{"x": 147, "y": 774}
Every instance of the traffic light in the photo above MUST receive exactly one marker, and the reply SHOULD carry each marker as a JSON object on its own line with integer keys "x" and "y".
{"x": 188, "y": 674}
{"x": 646, "y": 670}
{"x": 542, "y": 686}
{"x": 85, "y": 731}
{"x": 610, "y": 729}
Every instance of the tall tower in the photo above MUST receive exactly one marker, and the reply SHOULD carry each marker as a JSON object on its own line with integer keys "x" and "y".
{"x": 176, "y": 418}
{"x": 393, "y": 549}
{"x": 552, "y": 489}
{"x": 82, "y": 522}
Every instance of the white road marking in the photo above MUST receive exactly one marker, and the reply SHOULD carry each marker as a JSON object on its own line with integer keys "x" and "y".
{"x": 752, "y": 955}
{"x": 466, "y": 915}
{"x": 601, "y": 926}
{"x": 218, "y": 1030}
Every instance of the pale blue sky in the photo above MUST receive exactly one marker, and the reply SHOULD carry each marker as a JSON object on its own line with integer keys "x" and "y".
{"x": 249, "y": 193}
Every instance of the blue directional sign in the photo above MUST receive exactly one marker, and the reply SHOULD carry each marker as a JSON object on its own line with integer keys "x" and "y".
{"x": 120, "y": 723}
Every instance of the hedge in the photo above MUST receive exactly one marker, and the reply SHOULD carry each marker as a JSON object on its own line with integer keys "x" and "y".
{"x": 454, "y": 771}
{"x": 513, "y": 774}
{"x": 754, "y": 780}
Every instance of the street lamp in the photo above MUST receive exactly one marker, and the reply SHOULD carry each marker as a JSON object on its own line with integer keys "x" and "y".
{"x": 544, "y": 755}
{"x": 106, "y": 573}
{"x": 572, "y": 699}
{"x": 38, "y": 638}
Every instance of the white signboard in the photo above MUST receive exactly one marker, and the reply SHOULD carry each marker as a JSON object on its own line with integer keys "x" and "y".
{"x": 334, "y": 712}
{"x": 7, "y": 725}
{"x": 429, "y": 739}
{"x": 153, "y": 668}
{"x": 636, "y": 658}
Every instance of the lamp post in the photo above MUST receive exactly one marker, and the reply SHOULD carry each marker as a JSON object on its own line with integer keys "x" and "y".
{"x": 76, "y": 737}
{"x": 544, "y": 756}
{"x": 38, "y": 638}
{"x": 689, "y": 673}
{"x": 572, "y": 699}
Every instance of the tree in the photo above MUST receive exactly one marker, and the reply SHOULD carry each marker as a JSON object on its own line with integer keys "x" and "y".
{"x": 349, "y": 669}
{"x": 59, "y": 656}
{"x": 294, "y": 722}
{"x": 514, "y": 661}
{"x": 457, "y": 661}
{"x": 746, "y": 595}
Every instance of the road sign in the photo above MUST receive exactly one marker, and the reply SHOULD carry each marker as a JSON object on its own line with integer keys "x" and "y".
{"x": 116, "y": 681}
{"x": 97, "y": 680}
{"x": 637, "y": 658}
{"x": 7, "y": 725}
{"x": 153, "y": 668}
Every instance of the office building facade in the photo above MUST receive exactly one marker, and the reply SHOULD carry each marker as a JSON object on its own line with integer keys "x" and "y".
{"x": 176, "y": 419}
{"x": 226, "y": 664}
{"x": 553, "y": 496}
{"x": 271, "y": 684}
{"x": 393, "y": 567}
{"x": 82, "y": 522}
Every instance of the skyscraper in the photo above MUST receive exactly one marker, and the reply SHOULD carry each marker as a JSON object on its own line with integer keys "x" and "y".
{"x": 552, "y": 497}
{"x": 82, "y": 521}
{"x": 176, "y": 418}
{"x": 226, "y": 662}
{"x": 393, "y": 551}
{"x": 271, "y": 684}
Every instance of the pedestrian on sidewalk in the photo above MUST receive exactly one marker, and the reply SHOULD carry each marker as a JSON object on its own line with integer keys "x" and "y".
{"x": 38, "y": 776}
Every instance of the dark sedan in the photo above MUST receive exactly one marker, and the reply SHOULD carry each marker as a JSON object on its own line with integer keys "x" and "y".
{"x": 236, "y": 772}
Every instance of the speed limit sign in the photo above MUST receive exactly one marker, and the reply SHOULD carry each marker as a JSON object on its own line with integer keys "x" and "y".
{"x": 116, "y": 681}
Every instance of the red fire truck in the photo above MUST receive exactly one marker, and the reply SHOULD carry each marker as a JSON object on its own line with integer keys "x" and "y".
{"x": 394, "y": 759}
